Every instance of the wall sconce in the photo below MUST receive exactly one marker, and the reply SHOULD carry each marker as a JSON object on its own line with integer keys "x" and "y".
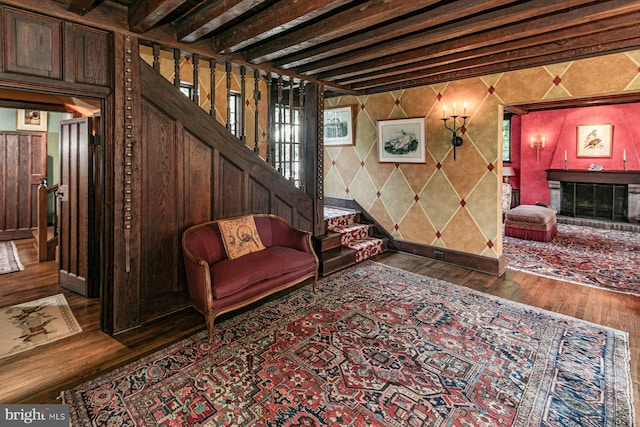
{"x": 507, "y": 171}
{"x": 456, "y": 140}
{"x": 537, "y": 143}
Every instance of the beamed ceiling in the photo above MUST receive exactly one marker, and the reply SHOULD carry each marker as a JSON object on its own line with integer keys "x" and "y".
{"x": 381, "y": 45}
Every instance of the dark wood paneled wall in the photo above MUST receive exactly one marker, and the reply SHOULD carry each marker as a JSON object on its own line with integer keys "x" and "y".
{"x": 190, "y": 169}
{"x": 166, "y": 164}
{"x": 36, "y": 46}
{"x": 23, "y": 163}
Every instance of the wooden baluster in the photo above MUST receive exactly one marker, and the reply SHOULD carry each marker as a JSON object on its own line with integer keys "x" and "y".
{"x": 256, "y": 100}
{"x": 228, "y": 69}
{"x": 243, "y": 109}
{"x": 291, "y": 128}
{"x": 269, "y": 82}
{"x": 301, "y": 129}
{"x": 176, "y": 68}
{"x": 280, "y": 125}
{"x": 196, "y": 85}
{"x": 156, "y": 56}
{"x": 212, "y": 88}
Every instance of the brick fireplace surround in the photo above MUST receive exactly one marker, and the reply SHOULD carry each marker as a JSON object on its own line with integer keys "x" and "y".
{"x": 555, "y": 178}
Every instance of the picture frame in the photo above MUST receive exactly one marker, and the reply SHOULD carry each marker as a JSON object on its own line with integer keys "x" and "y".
{"x": 594, "y": 140}
{"x": 33, "y": 120}
{"x": 338, "y": 126}
{"x": 402, "y": 140}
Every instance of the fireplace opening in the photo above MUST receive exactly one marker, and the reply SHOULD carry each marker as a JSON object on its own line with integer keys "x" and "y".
{"x": 596, "y": 201}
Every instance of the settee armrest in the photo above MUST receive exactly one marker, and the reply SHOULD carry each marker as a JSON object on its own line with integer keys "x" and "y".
{"x": 286, "y": 235}
{"x": 198, "y": 280}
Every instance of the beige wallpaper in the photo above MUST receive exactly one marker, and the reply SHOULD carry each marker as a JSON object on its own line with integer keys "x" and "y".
{"x": 447, "y": 203}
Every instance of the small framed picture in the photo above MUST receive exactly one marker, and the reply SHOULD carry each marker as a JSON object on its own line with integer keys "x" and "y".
{"x": 594, "y": 141}
{"x": 338, "y": 126}
{"x": 402, "y": 140}
{"x": 34, "y": 120}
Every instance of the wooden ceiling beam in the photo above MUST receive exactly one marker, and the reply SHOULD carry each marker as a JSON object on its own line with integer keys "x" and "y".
{"x": 282, "y": 16}
{"x": 145, "y": 14}
{"x": 210, "y": 16}
{"x": 340, "y": 24}
{"x": 390, "y": 55}
{"x": 439, "y": 16}
{"x": 507, "y": 65}
{"x": 595, "y": 32}
{"x": 534, "y": 53}
{"x": 519, "y": 13}
{"x": 82, "y": 6}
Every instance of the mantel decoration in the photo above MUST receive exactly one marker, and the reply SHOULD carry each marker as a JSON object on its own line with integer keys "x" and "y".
{"x": 33, "y": 120}
{"x": 594, "y": 141}
{"x": 338, "y": 126}
{"x": 402, "y": 140}
{"x": 456, "y": 140}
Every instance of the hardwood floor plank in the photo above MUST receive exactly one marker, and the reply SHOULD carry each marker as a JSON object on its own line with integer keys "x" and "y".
{"x": 39, "y": 375}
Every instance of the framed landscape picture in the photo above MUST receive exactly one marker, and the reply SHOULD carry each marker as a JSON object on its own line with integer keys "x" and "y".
{"x": 34, "y": 120}
{"x": 402, "y": 140}
{"x": 338, "y": 126}
{"x": 594, "y": 141}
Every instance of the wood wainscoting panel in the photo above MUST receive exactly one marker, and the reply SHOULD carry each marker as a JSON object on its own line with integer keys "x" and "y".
{"x": 92, "y": 56}
{"x": 161, "y": 289}
{"x": 259, "y": 197}
{"x": 33, "y": 44}
{"x": 23, "y": 163}
{"x": 198, "y": 165}
{"x": 230, "y": 199}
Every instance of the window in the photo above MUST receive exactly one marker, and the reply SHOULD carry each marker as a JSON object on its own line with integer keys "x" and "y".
{"x": 187, "y": 89}
{"x": 234, "y": 113}
{"x": 506, "y": 138}
{"x": 286, "y": 152}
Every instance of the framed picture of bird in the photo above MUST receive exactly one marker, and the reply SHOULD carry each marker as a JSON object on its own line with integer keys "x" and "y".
{"x": 594, "y": 140}
{"x": 402, "y": 140}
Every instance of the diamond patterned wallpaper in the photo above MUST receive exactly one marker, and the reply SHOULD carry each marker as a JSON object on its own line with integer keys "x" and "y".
{"x": 204, "y": 83}
{"x": 447, "y": 203}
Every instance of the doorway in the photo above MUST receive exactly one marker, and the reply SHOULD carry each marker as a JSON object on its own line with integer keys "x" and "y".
{"x": 73, "y": 160}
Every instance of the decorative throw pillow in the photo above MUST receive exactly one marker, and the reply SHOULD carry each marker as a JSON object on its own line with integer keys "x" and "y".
{"x": 240, "y": 236}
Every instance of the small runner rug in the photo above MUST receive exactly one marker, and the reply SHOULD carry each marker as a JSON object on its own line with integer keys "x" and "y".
{"x": 376, "y": 346}
{"x": 598, "y": 257}
{"x": 32, "y": 324}
{"x": 9, "y": 260}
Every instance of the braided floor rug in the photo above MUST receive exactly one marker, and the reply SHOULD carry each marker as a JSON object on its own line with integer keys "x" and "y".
{"x": 602, "y": 258}
{"x": 376, "y": 346}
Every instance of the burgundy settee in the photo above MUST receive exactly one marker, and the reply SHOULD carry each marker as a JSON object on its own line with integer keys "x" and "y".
{"x": 218, "y": 284}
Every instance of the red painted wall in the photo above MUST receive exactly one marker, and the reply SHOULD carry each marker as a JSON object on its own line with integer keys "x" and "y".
{"x": 559, "y": 127}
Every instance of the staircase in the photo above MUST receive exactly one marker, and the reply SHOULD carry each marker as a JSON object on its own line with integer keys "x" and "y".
{"x": 346, "y": 241}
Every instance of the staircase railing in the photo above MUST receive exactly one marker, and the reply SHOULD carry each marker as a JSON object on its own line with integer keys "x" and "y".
{"x": 261, "y": 109}
{"x": 45, "y": 246}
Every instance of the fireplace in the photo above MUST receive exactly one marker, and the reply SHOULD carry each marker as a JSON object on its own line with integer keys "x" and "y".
{"x": 595, "y": 201}
{"x": 605, "y": 195}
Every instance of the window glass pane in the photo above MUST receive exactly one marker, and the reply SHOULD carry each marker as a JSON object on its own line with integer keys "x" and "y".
{"x": 506, "y": 140}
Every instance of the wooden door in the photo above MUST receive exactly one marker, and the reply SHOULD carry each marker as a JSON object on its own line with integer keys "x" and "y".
{"x": 23, "y": 163}
{"x": 75, "y": 198}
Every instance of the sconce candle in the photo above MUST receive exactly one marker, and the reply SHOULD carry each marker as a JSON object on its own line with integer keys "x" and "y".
{"x": 624, "y": 155}
{"x": 456, "y": 128}
{"x": 565, "y": 155}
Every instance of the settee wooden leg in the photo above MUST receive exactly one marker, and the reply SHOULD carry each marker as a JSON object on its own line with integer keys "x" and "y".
{"x": 210, "y": 318}
{"x": 315, "y": 280}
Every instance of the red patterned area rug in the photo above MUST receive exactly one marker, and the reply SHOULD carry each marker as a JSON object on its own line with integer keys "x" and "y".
{"x": 598, "y": 257}
{"x": 376, "y": 346}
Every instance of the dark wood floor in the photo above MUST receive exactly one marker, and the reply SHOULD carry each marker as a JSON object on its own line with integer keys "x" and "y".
{"x": 39, "y": 375}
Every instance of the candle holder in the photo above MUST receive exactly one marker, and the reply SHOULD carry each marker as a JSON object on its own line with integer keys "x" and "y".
{"x": 565, "y": 164}
{"x": 624, "y": 165}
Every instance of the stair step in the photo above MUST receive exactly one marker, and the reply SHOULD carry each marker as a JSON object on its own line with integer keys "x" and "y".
{"x": 339, "y": 217}
{"x": 352, "y": 233}
{"x": 366, "y": 248}
{"x": 336, "y": 259}
{"x": 327, "y": 241}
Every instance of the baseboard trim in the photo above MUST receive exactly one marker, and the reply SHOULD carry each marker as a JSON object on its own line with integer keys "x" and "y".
{"x": 494, "y": 266}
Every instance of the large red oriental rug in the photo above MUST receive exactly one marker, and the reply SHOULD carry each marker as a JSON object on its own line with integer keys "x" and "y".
{"x": 596, "y": 257}
{"x": 376, "y": 346}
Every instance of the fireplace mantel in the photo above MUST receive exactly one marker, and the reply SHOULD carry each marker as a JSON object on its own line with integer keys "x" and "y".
{"x": 593, "y": 177}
